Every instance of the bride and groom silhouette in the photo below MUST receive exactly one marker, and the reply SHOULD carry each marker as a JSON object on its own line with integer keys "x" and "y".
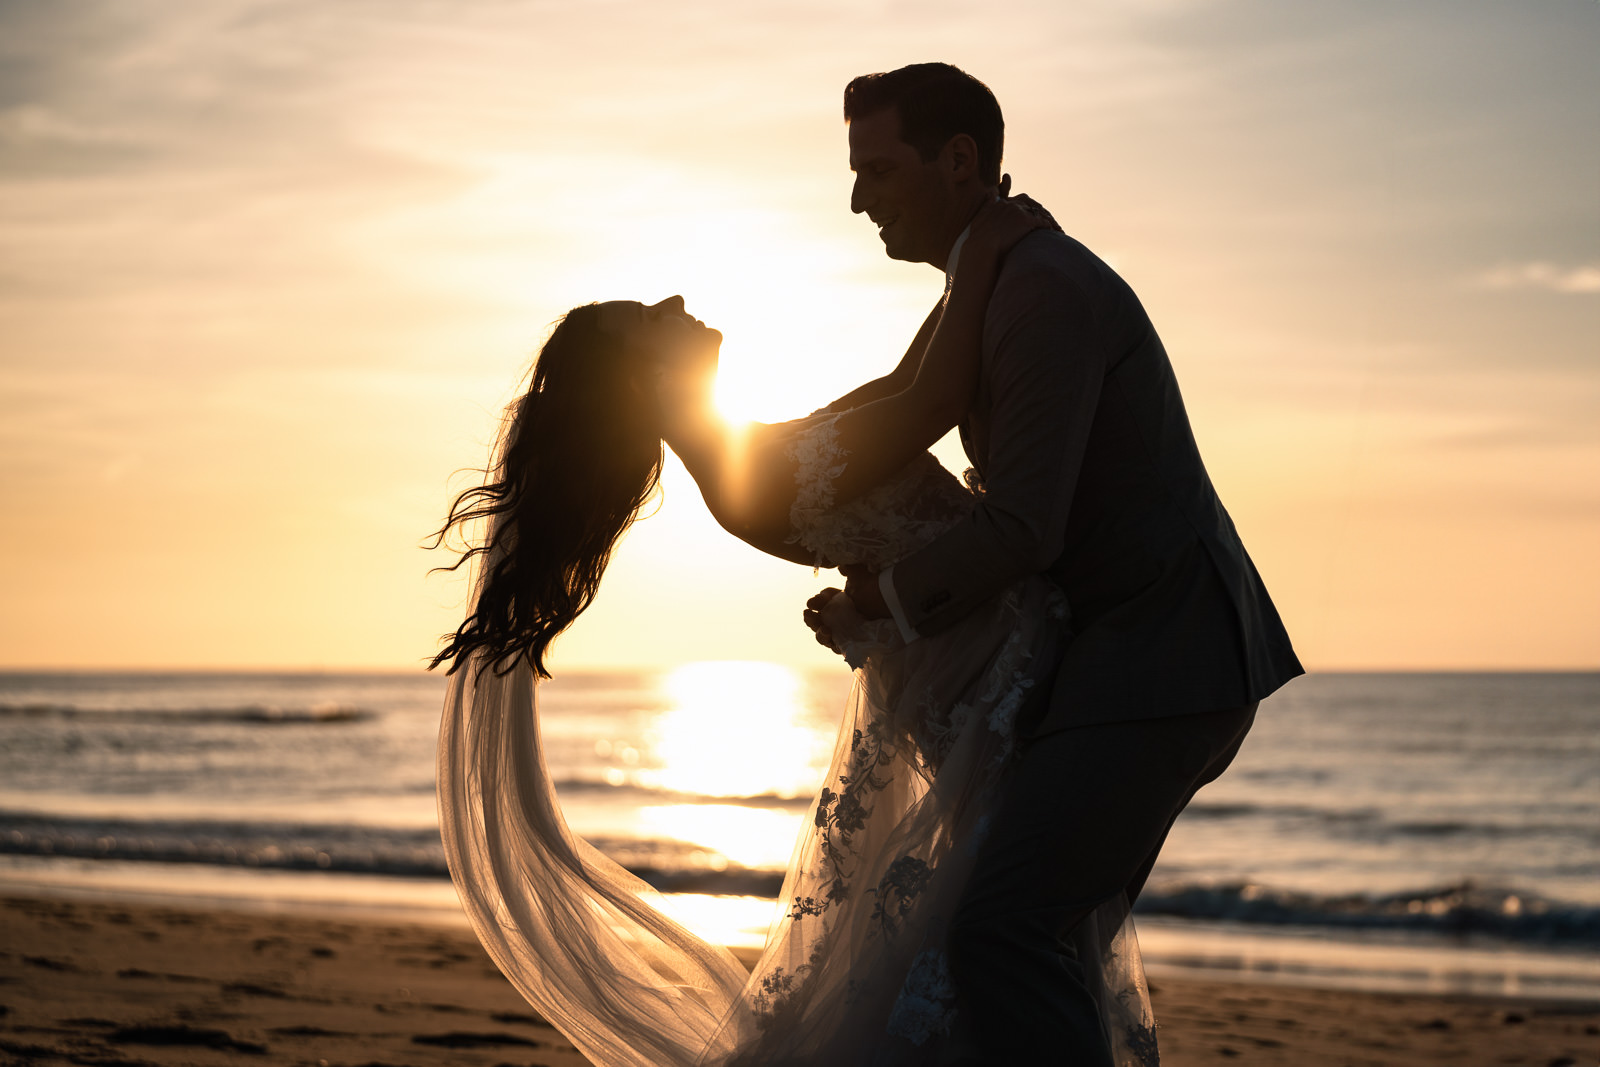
{"x": 1050, "y": 660}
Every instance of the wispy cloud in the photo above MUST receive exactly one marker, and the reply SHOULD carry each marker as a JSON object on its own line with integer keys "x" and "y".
{"x": 1584, "y": 278}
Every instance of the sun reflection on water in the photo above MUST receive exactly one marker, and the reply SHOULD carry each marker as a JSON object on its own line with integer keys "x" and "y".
{"x": 736, "y": 729}
{"x": 762, "y": 838}
{"x": 733, "y": 730}
{"x": 738, "y": 922}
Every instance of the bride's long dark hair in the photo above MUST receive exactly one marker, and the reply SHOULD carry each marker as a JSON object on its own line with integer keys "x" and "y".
{"x": 579, "y": 454}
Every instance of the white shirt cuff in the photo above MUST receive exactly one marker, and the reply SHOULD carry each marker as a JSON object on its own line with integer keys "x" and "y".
{"x": 886, "y": 587}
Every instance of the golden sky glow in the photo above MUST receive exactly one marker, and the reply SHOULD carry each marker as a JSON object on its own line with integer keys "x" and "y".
{"x": 269, "y": 271}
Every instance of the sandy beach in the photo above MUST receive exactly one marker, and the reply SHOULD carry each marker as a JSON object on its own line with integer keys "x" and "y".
{"x": 105, "y": 984}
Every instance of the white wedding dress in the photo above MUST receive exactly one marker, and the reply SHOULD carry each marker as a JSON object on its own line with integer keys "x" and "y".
{"x": 854, "y": 971}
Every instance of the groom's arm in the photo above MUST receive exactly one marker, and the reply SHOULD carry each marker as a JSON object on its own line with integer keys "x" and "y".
{"x": 899, "y": 379}
{"x": 1045, "y": 373}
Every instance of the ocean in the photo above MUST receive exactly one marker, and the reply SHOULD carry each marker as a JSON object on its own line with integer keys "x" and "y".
{"x": 1436, "y": 832}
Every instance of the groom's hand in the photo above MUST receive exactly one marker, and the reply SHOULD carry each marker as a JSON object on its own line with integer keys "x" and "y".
{"x": 865, "y": 594}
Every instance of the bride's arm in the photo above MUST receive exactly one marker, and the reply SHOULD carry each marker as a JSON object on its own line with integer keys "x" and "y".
{"x": 905, "y": 372}
{"x": 744, "y": 473}
{"x": 749, "y": 486}
{"x": 883, "y": 436}
{"x": 741, "y": 471}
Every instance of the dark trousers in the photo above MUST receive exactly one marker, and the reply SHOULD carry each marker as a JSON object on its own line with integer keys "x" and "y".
{"x": 1088, "y": 812}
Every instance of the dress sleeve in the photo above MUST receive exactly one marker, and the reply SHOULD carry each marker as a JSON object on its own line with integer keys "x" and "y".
{"x": 819, "y": 460}
{"x": 889, "y": 521}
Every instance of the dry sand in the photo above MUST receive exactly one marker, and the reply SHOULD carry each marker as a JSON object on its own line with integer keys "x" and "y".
{"x": 116, "y": 986}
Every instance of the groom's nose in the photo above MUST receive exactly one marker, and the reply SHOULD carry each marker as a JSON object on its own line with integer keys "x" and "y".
{"x": 858, "y": 196}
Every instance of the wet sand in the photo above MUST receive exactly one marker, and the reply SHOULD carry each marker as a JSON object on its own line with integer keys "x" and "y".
{"x": 118, "y": 986}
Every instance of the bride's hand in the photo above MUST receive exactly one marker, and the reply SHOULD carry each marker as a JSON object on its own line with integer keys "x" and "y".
{"x": 1001, "y": 223}
{"x": 812, "y": 616}
{"x": 841, "y": 626}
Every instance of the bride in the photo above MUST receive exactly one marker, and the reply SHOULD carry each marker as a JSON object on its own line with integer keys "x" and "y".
{"x": 854, "y": 970}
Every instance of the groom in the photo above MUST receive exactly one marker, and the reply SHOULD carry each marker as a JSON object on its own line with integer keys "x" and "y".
{"x": 1091, "y": 475}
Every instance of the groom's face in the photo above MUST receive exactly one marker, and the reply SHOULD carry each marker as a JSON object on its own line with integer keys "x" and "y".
{"x": 913, "y": 203}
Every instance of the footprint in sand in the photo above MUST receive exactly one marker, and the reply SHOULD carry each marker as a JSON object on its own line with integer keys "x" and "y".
{"x": 193, "y": 1036}
{"x": 463, "y": 1039}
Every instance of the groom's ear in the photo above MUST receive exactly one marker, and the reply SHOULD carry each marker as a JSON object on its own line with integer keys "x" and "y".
{"x": 959, "y": 158}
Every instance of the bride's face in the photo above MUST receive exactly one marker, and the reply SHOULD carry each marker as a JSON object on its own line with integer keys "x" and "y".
{"x": 664, "y": 333}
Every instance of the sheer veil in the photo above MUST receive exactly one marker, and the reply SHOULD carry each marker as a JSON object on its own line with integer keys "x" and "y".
{"x": 576, "y": 934}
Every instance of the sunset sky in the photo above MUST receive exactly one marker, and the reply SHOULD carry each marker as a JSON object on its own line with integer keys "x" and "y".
{"x": 269, "y": 271}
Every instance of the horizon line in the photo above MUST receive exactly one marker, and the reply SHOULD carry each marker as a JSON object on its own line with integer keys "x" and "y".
{"x": 598, "y": 668}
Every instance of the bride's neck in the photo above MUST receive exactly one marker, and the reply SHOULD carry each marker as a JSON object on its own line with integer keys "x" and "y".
{"x": 686, "y": 407}
{"x": 697, "y": 435}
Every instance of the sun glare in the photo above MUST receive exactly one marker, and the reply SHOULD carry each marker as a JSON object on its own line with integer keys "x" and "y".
{"x": 736, "y": 401}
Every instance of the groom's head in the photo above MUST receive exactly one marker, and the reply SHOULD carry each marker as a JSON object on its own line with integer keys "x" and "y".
{"x": 925, "y": 144}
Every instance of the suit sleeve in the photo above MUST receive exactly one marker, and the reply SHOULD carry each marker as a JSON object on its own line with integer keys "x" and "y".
{"x": 1046, "y": 365}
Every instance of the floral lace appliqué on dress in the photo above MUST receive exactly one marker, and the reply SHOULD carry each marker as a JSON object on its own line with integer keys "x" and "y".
{"x": 879, "y": 527}
{"x": 926, "y": 1005}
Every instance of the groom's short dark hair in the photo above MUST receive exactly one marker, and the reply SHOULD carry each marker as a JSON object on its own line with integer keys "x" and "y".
{"x": 935, "y": 102}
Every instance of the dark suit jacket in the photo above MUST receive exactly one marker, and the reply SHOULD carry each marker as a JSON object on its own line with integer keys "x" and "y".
{"x": 1091, "y": 474}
